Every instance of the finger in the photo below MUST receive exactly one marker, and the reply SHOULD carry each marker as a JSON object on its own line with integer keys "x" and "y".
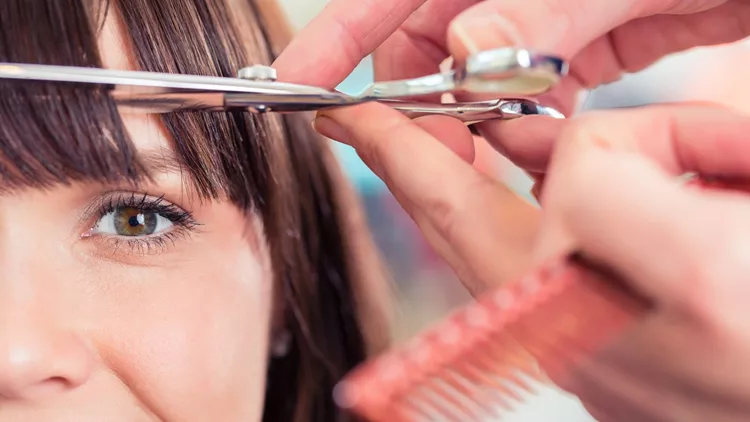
{"x": 488, "y": 227}
{"x": 634, "y": 39}
{"x": 346, "y": 31}
{"x": 450, "y": 132}
{"x": 419, "y": 46}
{"x": 610, "y": 192}
{"x": 529, "y": 142}
{"x": 453, "y": 134}
{"x": 704, "y": 138}
{"x": 639, "y": 43}
{"x": 464, "y": 273}
{"x": 565, "y": 27}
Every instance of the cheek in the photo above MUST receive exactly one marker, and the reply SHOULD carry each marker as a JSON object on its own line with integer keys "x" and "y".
{"x": 190, "y": 341}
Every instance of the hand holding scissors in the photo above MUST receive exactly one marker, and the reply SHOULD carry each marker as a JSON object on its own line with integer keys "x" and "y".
{"x": 600, "y": 39}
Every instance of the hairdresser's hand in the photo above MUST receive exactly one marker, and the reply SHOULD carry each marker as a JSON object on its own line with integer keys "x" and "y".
{"x": 611, "y": 192}
{"x": 603, "y": 39}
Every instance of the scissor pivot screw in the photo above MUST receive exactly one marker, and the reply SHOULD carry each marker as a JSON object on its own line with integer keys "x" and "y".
{"x": 257, "y": 73}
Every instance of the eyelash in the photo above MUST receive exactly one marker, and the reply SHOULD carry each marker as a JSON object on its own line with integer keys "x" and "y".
{"x": 183, "y": 223}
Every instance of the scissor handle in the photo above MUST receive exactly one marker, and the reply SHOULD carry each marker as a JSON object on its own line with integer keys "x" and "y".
{"x": 505, "y": 71}
{"x": 511, "y": 71}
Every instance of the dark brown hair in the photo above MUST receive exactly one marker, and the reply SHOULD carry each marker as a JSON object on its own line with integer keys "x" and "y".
{"x": 328, "y": 280}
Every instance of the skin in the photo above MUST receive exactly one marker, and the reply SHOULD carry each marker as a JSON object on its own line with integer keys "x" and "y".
{"x": 606, "y": 179}
{"x": 94, "y": 330}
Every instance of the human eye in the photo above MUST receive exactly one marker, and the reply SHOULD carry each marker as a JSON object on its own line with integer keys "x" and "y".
{"x": 143, "y": 223}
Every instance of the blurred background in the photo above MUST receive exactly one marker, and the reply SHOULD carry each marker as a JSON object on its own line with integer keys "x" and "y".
{"x": 426, "y": 287}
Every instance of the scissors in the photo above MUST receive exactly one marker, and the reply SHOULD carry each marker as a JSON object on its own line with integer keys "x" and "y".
{"x": 507, "y": 71}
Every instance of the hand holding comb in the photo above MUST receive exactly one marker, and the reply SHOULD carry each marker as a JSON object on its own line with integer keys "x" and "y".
{"x": 473, "y": 365}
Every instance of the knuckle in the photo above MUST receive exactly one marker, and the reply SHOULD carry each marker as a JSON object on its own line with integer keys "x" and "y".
{"x": 373, "y": 161}
{"x": 445, "y": 214}
{"x": 368, "y": 152}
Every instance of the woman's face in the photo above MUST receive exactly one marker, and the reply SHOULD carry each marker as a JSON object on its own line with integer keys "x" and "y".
{"x": 131, "y": 304}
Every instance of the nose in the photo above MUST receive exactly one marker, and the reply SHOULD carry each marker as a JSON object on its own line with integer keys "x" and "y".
{"x": 39, "y": 359}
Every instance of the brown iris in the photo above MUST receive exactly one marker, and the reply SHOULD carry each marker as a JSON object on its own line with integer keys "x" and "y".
{"x": 134, "y": 222}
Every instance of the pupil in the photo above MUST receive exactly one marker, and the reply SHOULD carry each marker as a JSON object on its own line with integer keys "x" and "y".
{"x": 135, "y": 220}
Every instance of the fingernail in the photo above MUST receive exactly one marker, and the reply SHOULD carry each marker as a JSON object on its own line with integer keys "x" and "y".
{"x": 328, "y": 127}
{"x": 485, "y": 33}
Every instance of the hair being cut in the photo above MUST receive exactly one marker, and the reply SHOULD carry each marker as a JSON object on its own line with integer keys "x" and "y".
{"x": 327, "y": 277}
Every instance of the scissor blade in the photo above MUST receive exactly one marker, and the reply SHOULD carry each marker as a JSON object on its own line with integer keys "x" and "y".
{"x": 149, "y": 81}
{"x": 167, "y": 102}
{"x": 164, "y": 92}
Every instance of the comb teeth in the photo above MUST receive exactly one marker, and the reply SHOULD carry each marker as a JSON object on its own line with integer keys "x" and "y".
{"x": 484, "y": 361}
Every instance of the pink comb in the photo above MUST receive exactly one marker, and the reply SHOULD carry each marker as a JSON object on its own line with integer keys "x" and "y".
{"x": 472, "y": 365}
{"x": 479, "y": 362}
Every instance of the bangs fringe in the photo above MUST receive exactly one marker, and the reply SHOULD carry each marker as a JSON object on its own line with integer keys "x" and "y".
{"x": 206, "y": 44}
{"x": 57, "y": 133}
